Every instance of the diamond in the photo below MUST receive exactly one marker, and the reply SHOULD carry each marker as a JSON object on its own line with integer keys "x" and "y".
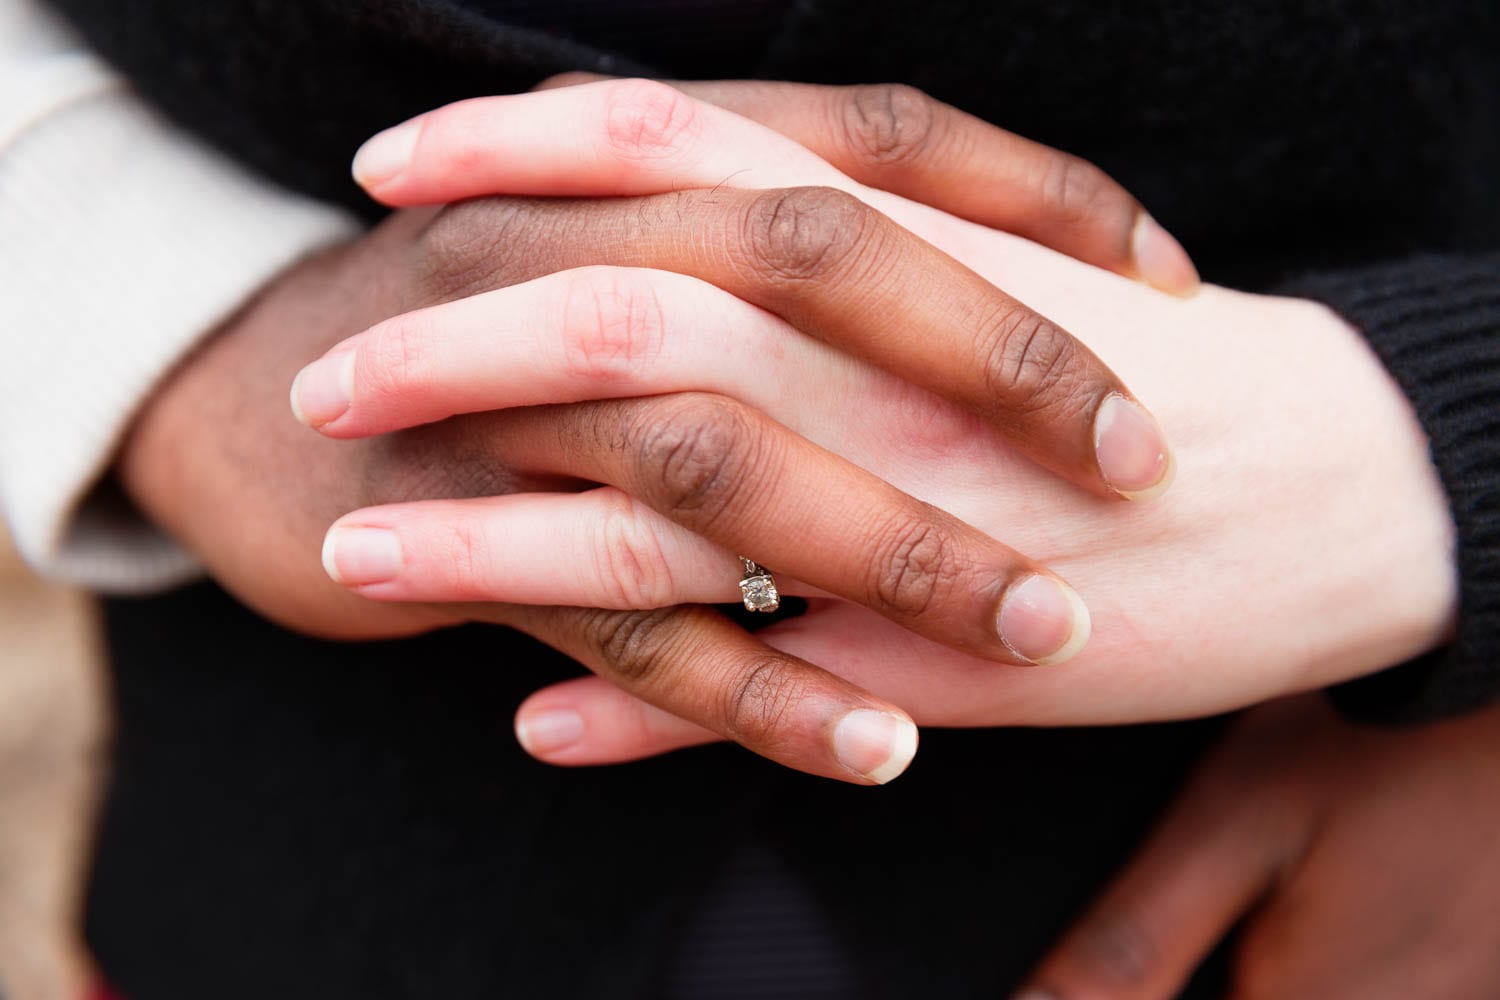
{"x": 760, "y": 593}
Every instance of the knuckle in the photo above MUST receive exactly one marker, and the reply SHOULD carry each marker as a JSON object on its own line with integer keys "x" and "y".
{"x": 803, "y": 234}
{"x": 634, "y": 568}
{"x": 393, "y": 360}
{"x": 468, "y": 564}
{"x": 646, "y": 119}
{"x": 694, "y": 455}
{"x": 1028, "y": 363}
{"x": 1075, "y": 192}
{"x": 614, "y": 325}
{"x": 1117, "y": 951}
{"x": 889, "y": 124}
{"x": 763, "y": 696}
{"x": 916, "y": 567}
{"x": 632, "y": 643}
{"x": 465, "y": 248}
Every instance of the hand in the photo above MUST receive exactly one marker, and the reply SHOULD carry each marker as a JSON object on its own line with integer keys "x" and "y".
{"x": 1362, "y": 861}
{"x": 1255, "y": 577}
{"x": 213, "y": 462}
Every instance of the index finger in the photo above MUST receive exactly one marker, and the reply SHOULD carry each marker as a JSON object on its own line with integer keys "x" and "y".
{"x": 621, "y": 137}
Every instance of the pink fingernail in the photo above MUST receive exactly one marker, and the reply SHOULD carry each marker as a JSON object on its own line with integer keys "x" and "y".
{"x": 322, "y": 392}
{"x": 385, "y": 155}
{"x": 1043, "y": 620}
{"x": 1130, "y": 448}
{"x": 359, "y": 556}
{"x": 1161, "y": 261}
{"x": 547, "y": 732}
{"x": 875, "y": 745}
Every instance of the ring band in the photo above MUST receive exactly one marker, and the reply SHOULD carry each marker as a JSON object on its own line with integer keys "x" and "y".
{"x": 758, "y": 588}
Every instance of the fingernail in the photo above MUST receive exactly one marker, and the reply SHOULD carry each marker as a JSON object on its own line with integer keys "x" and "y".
{"x": 550, "y": 731}
{"x": 1160, "y": 260}
{"x": 385, "y": 155}
{"x": 358, "y": 557}
{"x": 1131, "y": 449}
{"x": 1043, "y": 620}
{"x": 875, "y": 745}
{"x": 1034, "y": 995}
{"x": 322, "y": 391}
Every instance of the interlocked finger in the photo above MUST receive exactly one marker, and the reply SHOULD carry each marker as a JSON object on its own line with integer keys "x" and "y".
{"x": 697, "y": 478}
{"x": 693, "y": 663}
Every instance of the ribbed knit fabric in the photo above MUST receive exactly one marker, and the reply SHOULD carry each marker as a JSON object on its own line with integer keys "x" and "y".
{"x": 1434, "y": 320}
{"x": 699, "y": 37}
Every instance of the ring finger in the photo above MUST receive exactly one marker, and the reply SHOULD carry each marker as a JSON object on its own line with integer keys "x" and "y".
{"x": 725, "y": 472}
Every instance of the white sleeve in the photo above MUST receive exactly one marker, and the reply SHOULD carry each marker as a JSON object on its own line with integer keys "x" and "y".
{"x": 122, "y": 243}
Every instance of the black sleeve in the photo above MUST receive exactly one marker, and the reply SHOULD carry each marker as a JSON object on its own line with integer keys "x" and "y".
{"x": 1434, "y": 320}
{"x": 235, "y": 72}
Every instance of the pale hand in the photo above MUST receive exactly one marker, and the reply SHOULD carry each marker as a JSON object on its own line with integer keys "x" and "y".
{"x": 1305, "y": 540}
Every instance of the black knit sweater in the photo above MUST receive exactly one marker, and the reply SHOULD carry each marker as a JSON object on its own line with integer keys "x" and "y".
{"x": 1346, "y": 150}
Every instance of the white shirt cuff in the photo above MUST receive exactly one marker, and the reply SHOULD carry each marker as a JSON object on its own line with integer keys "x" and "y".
{"x": 122, "y": 243}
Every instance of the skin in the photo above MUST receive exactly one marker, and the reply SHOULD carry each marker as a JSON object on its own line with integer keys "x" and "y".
{"x": 1258, "y": 459}
{"x": 1265, "y": 533}
{"x": 1361, "y": 861}
{"x": 215, "y": 451}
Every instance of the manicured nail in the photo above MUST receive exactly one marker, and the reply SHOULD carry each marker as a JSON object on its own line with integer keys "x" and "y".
{"x": 875, "y": 745}
{"x": 550, "y": 731}
{"x": 1160, "y": 260}
{"x": 1034, "y": 995}
{"x": 1131, "y": 450}
{"x": 385, "y": 155}
{"x": 1043, "y": 620}
{"x": 322, "y": 391}
{"x": 358, "y": 556}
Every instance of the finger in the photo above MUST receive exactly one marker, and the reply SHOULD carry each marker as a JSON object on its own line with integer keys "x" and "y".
{"x": 588, "y": 720}
{"x": 623, "y": 137}
{"x": 645, "y": 137}
{"x": 837, "y": 270}
{"x": 587, "y": 333}
{"x": 1203, "y": 868}
{"x": 896, "y": 138}
{"x": 739, "y": 479}
{"x": 696, "y": 664}
{"x": 597, "y": 549}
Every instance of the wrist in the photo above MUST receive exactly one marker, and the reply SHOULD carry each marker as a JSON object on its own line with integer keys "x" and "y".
{"x": 1395, "y": 590}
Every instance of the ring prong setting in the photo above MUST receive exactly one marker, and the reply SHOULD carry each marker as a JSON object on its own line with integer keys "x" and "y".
{"x": 758, "y": 588}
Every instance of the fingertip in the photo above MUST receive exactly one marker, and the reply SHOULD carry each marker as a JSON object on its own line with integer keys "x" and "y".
{"x": 324, "y": 390}
{"x": 330, "y": 556}
{"x": 1160, "y": 260}
{"x": 1043, "y": 621}
{"x": 877, "y": 746}
{"x": 1131, "y": 449}
{"x": 544, "y": 732}
{"x": 296, "y": 401}
{"x": 385, "y": 156}
{"x": 356, "y": 555}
